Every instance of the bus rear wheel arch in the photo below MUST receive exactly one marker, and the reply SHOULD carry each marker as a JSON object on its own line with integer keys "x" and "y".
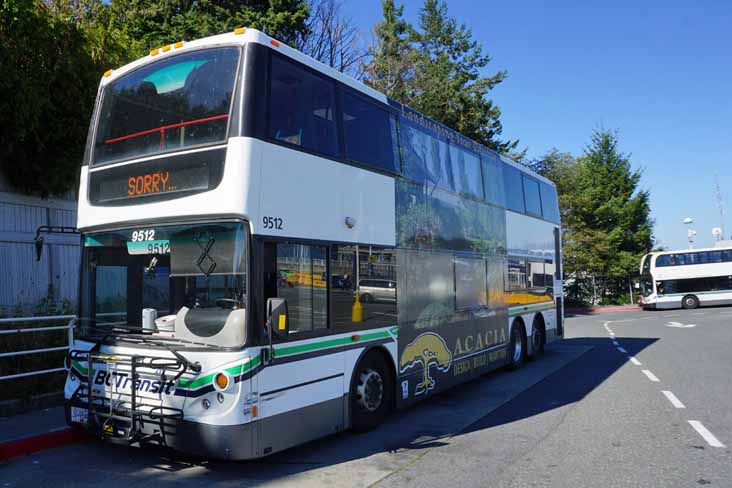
{"x": 538, "y": 337}
{"x": 690, "y": 302}
{"x": 517, "y": 347}
{"x": 372, "y": 390}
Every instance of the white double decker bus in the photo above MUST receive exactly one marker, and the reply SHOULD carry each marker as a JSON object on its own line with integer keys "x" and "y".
{"x": 687, "y": 278}
{"x": 273, "y": 252}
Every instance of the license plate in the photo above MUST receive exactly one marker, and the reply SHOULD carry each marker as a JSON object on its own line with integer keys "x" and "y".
{"x": 80, "y": 415}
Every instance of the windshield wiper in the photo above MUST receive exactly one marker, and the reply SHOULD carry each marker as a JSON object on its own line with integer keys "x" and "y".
{"x": 205, "y": 255}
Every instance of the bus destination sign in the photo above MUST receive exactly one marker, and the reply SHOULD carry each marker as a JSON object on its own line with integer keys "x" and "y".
{"x": 159, "y": 179}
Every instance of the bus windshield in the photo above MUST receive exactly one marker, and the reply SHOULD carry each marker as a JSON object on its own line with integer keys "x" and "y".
{"x": 177, "y": 102}
{"x": 157, "y": 279}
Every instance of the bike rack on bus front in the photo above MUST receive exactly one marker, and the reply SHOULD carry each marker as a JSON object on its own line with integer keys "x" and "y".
{"x": 140, "y": 409}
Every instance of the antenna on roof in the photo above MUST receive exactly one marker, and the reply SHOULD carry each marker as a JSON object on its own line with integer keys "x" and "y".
{"x": 720, "y": 205}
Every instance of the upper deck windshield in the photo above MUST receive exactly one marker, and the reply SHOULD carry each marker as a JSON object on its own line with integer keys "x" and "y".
{"x": 173, "y": 277}
{"x": 180, "y": 101}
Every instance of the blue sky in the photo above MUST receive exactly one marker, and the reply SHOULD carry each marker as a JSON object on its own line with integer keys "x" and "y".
{"x": 659, "y": 72}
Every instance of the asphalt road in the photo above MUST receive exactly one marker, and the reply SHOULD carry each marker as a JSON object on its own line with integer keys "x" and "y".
{"x": 602, "y": 408}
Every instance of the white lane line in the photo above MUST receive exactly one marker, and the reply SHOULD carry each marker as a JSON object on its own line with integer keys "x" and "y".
{"x": 634, "y": 360}
{"x": 673, "y": 315}
{"x": 672, "y": 398}
{"x": 622, "y": 349}
{"x": 615, "y": 343}
{"x": 651, "y": 376}
{"x": 708, "y": 436}
{"x": 612, "y": 334}
{"x": 699, "y": 313}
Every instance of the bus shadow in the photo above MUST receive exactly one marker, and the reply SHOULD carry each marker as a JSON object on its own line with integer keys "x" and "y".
{"x": 563, "y": 376}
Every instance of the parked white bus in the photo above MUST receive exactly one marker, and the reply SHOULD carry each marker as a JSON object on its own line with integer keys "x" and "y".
{"x": 237, "y": 199}
{"x": 687, "y": 278}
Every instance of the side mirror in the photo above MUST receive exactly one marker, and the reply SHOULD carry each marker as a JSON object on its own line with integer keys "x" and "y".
{"x": 38, "y": 243}
{"x": 277, "y": 319}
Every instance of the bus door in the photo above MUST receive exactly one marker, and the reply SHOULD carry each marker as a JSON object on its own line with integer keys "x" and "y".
{"x": 301, "y": 389}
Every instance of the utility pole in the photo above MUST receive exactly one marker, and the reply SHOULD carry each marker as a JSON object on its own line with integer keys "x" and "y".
{"x": 720, "y": 203}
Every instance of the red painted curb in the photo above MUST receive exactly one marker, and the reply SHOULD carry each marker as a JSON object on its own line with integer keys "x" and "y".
{"x": 49, "y": 440}
{"x": 603, "y": 310}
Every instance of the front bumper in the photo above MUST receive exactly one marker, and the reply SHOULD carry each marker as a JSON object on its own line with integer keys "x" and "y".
{"x": 225, "y": 442}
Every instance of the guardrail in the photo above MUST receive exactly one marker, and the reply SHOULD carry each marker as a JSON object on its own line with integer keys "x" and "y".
{"x": 51, "y": 318}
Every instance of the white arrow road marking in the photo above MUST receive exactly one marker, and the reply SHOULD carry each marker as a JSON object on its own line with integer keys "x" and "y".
{"x": 680, "y": 325}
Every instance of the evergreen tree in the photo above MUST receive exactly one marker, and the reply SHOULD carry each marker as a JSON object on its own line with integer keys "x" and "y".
{"x": 608, "y": 223}
{"x": 158, "y": 22}
{"x": 391, "y": 68}
{"x": 435, "y": 69}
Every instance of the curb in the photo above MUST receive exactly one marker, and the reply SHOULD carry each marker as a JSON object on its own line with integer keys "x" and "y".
{"x": 49, "y": 440}
{"x": 602, "y": 310}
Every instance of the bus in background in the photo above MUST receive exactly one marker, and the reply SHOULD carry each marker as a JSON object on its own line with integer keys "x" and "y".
{"x": 688, "y": 278}
{"x": 273, "y": 252}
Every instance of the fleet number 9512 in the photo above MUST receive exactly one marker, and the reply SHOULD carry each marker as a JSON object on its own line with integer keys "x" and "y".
{"x": 272, "y": 223}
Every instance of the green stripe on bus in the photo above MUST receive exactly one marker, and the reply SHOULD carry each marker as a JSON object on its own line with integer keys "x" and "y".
{"x": 281, "y": 352}
{"x": 342, "y": 341}
{"x": 80, "y": 368}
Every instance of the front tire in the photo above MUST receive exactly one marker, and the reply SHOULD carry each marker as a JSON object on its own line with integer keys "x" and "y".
{"x": 517, "y": 349}
{"x": 690, "y": 302}
{"x": 372, "y": 389}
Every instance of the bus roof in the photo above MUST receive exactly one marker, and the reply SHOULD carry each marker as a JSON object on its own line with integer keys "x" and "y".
{"x": 243, "y": 36}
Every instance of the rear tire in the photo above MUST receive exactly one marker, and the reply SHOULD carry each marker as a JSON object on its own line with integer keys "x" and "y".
{"x": 538, "y": 339}
{"x": 517, "y": 350}
{"x": 690, "y": 302}
{"x": 372, "y": 389}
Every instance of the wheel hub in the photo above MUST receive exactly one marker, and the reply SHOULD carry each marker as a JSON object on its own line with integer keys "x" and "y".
{"x": 517, "y": 347}
{"x": 370, "y": 390}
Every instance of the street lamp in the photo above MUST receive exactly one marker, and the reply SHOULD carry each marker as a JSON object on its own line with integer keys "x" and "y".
{"x": 690, "y": 233}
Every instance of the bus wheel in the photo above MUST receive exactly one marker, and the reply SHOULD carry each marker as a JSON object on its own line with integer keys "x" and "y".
{"x": 538, "y": 338}
{"x": 690, "y": 301}
{"x": 371, "y": 392}
{"x": 517, "y": 350}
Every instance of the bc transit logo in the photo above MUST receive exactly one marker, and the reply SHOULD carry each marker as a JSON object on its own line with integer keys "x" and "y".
{"x": 123, "y": 381}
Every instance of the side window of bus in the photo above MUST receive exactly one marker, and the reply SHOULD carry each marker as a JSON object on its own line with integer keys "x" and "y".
{"x": 425, "y": 156}
{"x": 549, "y": 203}
{"x": 297, "y": 273}
{"x": 663, "y": 260}
{"x": 532, "y": 197}
{"x": 370, "y": 133}
{"x": 466, "y": 171}
{"x": 513, "y": 188}
{"x": 375, "y": 281}
{"x": 493, "y": 180}
{"x": 302, "y": 109}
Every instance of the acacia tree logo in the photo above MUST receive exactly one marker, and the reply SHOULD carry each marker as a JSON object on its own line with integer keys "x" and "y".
{"x": 427, "y": 349}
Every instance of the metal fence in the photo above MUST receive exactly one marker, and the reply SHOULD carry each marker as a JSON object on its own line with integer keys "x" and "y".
{"x": 26, "y": 330}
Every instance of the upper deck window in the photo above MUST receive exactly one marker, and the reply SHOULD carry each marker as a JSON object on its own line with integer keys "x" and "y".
{"x": 302, "y": 109}
{"x": 425, "y": 156}
{"x": 532, "y": 196}
{"x": 513, "y": 188}
{"x": 174, "y": 103}
{"x": 466, "y": 171}
{"x": 549, "y": 202}
{"x": 370, "y": 134}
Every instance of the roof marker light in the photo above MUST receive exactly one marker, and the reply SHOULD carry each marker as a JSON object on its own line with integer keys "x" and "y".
{"x": 178, "y": 44}
{"x": 275, "y": 43}
{"x": 240, "y": 30}
{"x": 154, "y": 51}
{"x": 166, "y": 48}
{"x": 107, "y": 73}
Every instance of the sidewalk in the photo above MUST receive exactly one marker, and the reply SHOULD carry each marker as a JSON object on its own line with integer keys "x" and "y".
{"x": 610, "y": 308}
{"x": 35, "y": 431}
